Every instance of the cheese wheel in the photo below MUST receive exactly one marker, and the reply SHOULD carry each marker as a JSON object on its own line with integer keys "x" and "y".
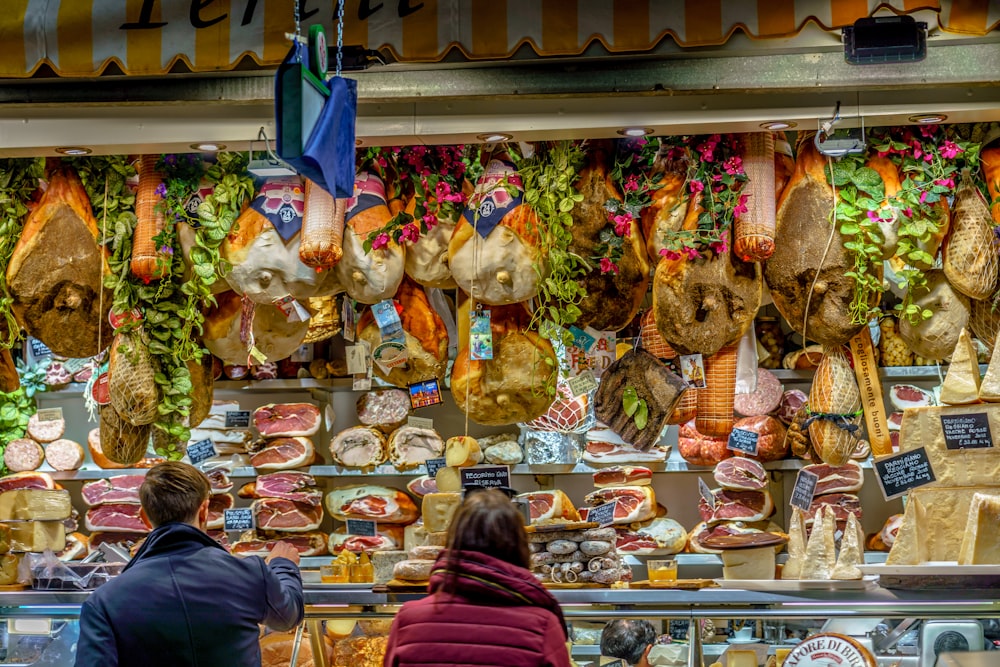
{"x": 64, "y": 455}
{"x": 45, "y": 431}
{"x": 448, "y": 480}
{"x": 413, "y": 570}
{"x": 462, "y": 451}
{"x": 23, "y": 454}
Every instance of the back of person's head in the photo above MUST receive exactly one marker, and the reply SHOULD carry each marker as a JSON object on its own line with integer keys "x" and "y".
{"x": 627, "y": 639}
{"x": 488, "y": 522}
{"x": 172, "y": 492}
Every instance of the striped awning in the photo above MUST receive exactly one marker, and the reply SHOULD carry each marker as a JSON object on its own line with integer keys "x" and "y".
{"x": 149, "y": 37}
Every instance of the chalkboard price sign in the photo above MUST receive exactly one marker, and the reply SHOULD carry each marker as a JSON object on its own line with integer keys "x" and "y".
{"x": 238, "y": 520}
{"x": 603, "y": 515}
{"x": 238, "y": 419}
{"x": 433, "y": 465}
{"x": 970, "y": 431}
{"x": 486, "y": 476}
{"x": 201, "y": 450}
{"x": 899, "y": 473}
{"x": 361, "y": 528}
{"x": 744, "y": 441}
{"x": 804, "y": 490}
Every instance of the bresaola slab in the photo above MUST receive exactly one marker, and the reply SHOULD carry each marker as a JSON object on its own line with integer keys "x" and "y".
{"x": 117, "y": 489}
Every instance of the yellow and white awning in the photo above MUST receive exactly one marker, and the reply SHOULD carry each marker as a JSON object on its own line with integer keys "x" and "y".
{"x": 80, "y": 38}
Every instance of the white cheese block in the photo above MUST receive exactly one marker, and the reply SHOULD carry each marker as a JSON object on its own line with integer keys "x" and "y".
{"x": 981, "y": 539}
{"x": 921, "y": 427}
{"x": 438, "y": 509}
{"x": 37, "y": 504}
{"x": 989, "y": 388}
{"x": 37, "y": 536}
{"x": 384, "y": 561}
{"x": 934, "y": 525}
{"x": 448, "y": 480}
{"x": 741, "y": 658}
{"x": 416, "y": 535}
{"x": 796, "y": 546}
{"x": 748, "y": 563}
{"x": 961, "y": 384}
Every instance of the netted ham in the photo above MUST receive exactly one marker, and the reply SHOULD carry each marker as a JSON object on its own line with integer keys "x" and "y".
{"x": 740, "y": 474}
{"x": 56, "y": 272}
{"x": 661, "y": 536}
{"x": 387, "y": 538}
{"x": 746, "y": 506}
{"x": 566, "y": 414}
{"x": 410, "y": 446}
{"x": 936, "y": 337}
{"x": 623, "y": 476}
{"x": 834, "y": 408}
{"x": 753, "y": 232}
{"x": 286, "y": 515}
{"x": 273, "y": 334}
{"x": 549, "y": 506}
{"x": 969, "y": 256}
{"x": 284, "y": 454}
{"x": 131, "y": 386}
{"x": 298, "y": 487}
{"x": 253, "y": 543}
{"x": 117, "y": 489}
{"x": 116, "y": 517}
{"x": 276, "y": 420}
{"x": 635, "y": 503}
{"x": 218, "y": 503}
{"x": 374, "y": 503}
{"x": 847, "y": 478}
{"x": 359, "y": 447}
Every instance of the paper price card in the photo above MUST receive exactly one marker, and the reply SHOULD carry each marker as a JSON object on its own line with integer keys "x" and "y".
{"x": 899, "y": 473}
{"x": 420, "y": 422}
{"x": 238, "y": 520}
{"x": 582, "y": 384}
{"x": 480, "y": 335}
{"x": 387, "y": 318}
{"x": 706, "y": 493}
{"x": 361, "y": 528}
{"x": 804, "y": 490}
{"x": 49, "y": 414}
{"x": 200, "y": 451}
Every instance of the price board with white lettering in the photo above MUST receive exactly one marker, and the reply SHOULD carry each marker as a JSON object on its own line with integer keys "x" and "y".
{"x": 238, "y": 520}
{"x": 741, "y": 440}
{"x": 362, "y": 528}
{"x": 238, "y": 419}
{"x": 603, "y": 515}
{"x": 804, "y": 490}
{"x": 200, "y": 451}
{"x": 901, "y": 472}
{"x": 433, "y": 465}
{"x": 485, "y": 476}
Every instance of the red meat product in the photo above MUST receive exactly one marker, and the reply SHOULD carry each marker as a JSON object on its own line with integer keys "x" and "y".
{"x": 791, "y": 401}
{"x": 298, "y": 487}
{"x": 219, "y": 481}
{"x": 771, "y": 445}
{"x": 117, "y": 517}
{"x": 26, "y": 480}
{"x": 903, "y": 396}
{"x": 549, "y": 505}
{"x": 600, "y": 451}
{"x": 289, "y": 420}
{"x": 746, "y": 506}
{"x": 217, "y": 505}
{"x": 847, "y": 478}
{"x": 699, "y": 449}
{"x": 740, "y": 474}
{"x": 372, "y": 502}
{"x": 623, "y": 476}
{"x": 389, "y": 538}
{"x": 126, "y": 541}
{"x": 660, "y": 536}
{"x": 635, "y": 503}
{"x": 117, "y": 489}
{"x": 221, "y": 537}
{"x": 895, "y": 421}
{"x": 841, "y": 503}
{"x": 388, "y": 408}
{"x": 762, "y": 400}
{"x": 307, "y": 544}
{"x": 421, "y": 486}
{"x": 284, "y": 454}
{"x": 890, "y": 530}
{"x": 704, "y": 531}
{"x": 286, "y": 515}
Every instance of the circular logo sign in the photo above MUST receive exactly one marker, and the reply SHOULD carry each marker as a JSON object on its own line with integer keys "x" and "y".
{"x": 829, "y": 650}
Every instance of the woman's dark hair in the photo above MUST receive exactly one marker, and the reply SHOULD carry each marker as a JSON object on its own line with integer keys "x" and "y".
{"x": 489, "y": 523}
{"x": 172, "y": 493}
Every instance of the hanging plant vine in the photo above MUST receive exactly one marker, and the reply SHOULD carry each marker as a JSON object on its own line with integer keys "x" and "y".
{"x": 18, "y": 181}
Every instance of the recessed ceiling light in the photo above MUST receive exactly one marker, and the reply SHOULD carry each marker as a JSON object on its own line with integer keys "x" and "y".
{"x": 929, "y": 118}
{"x": 74, "y": 150}
{"x": 494, "y": 137}
{"x": 635, "y": 131}
{"x": 778, "y": 125}
{"x": 209, "y": 146}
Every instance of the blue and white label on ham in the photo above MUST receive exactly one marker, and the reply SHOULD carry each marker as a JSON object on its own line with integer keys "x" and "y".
{"x": 200, "y": 451}
{"x": 238, "y": 520}
{"x": 741, "y": 440}
{"x": 282, "y": 201}
{"x": 804, "y": 490}
{"x": 369, "y": 192}
{"x": 498, "y": 192}
{"x": 603, "y": 515}
{"x": 362, "y": 528}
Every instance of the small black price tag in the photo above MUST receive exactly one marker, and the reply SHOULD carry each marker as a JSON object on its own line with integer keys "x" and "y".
{"x": 603, "y": 515}
{"x": 201, "y": 450}
{"x": 238, "y": 419}
{"x": 39, "y": 349}
{"x": 485, "y": 476}
{"x": 804, "y": 490}
{"x": 744, "y": 441}
{"x": 899, "y": 473}
{"x": 238, "y": 520}
{"x": 971, "y": 431}
{"x": 362, "y": 528}
{"x": 433, "y": 465}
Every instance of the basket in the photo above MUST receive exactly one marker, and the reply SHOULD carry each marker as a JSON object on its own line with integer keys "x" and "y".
{"x": 753, "y": 232}
{"x": 321, "y": 245}
{"x": 715, "y": 401}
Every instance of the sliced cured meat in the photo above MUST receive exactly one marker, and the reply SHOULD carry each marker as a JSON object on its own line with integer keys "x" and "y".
{"x": 307, "y": 544}
{"x": 421, "y": 486}
{"x": 26, "y": 480}
{"x": 216, "y": 418}
{"x": 746, "y": 506}
{"x": 387, "y": 409}
{"x": 762, "y": 400}
{"x": 369, "y": 501}
{"x": 771, "y": 445}
{"x": 45, "y": 431}
{"x": 410, "y": 446}
{"x": 699, "y": 449}
{"x": 359, "y": 447}
{"x": 895, "y": 421}
{"x": 219, "y": 481}
{"x": 549, "y": 506}
{"x": 298, "y": 487}
{"x": 847, "y": 478}
{"x": 661, "y": 536}
{"x": 740, "y": 474}
{"x": 127, "y": 541}
{"x": 841, "y": 503}
{"x": 284, "y": 454}
{"x": 389, "y": 538}
{"x": 704, "y": 531}
{"x": 23, "y": 454}
{"x": 904, "y": 396}
{"x": 117, "y": 489}
{"x": 277, "y": 420}
{"x": 602, "y": 451}
{"x": 221, "y": 537}
{"x": 217, "y": 505}
{"x": 623, "y": 476}
{"x": 635, "y": 503}
{"x": 117, "y": 517}
{"x": 791, "y": 401}
{"x": 77, "y": 546}
{"x": 890, "y": 530}
{"x": 286, "y": 515}
{"x": 64, "y": 454}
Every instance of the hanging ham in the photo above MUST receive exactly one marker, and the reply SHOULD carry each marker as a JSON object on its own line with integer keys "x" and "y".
{"x": 273, "y": 334}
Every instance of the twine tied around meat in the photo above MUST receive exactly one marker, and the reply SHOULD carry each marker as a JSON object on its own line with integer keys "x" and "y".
{"x": 841, "y": 421}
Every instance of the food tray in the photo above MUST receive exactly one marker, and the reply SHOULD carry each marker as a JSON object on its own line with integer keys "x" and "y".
{"x": 789, "y": 585}
{"x": 562, "y": 585}
{"x": 949, "y": 575}
{"x": 74, "y": 576}
{"x": 678, "y": 584}
{"x": 397, "y": 586}
{"x": 553, "y": 527}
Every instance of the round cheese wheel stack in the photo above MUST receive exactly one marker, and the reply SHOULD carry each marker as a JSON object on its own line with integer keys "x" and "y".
{"x": 45, "y": 431}
{"x": 64, "y": 455}
{"x": 23, "y": 454}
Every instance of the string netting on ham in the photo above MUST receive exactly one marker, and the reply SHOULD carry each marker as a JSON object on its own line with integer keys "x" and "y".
{"x": 715, "y": 401}
{"x": 567, "y": 414}
{"x": 834, "y": 420}
{"x": 122, "y": 442}
{"x": 970, "y": 257}
{"x": 131, "y": 385}
{"x": 650, "y": 338}
{"x": 984, "y": 320}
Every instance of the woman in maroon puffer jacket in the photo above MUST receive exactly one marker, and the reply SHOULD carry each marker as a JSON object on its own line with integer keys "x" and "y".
{"x": 485, "y": 607}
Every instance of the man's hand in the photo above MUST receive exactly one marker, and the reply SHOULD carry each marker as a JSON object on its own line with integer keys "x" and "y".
{"x": 283, "y": 550}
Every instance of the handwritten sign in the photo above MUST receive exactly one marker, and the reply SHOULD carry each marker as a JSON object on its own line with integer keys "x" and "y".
{"x": 485, "y": 476}
{"x": 238, "y": 419}
{"x": 200, "y": 451}
{"x": 899, "y": 473}
{"x": 603, "y": 515}
{"x": 970, "y": 431}
{"x": 741, "y": 440}
{"x": 582, "y": 384}
{"x": 362, "y": 528}
{"x": 420, "y": 422}
{"x": 49, "y": 415}
{"x": 238, "y": 520}
{"x": 39, "y": 349}
{"x": 804, "y": 490}
{"x": 433, "y": 465}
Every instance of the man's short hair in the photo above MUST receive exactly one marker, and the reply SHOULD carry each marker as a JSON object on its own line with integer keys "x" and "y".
{"x": 172, "y": 492}
{"x": 627, "y": 639}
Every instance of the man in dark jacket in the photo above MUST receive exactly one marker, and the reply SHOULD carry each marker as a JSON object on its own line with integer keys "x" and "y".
{"x": 183, "y": 600}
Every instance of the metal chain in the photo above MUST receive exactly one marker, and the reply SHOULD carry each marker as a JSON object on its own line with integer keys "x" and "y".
{"x": 340, "y": 35}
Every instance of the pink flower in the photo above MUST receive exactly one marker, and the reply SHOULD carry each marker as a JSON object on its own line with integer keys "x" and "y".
{"x": 928, "y": 130}
{"x": 382, "y": 162}
{"x": 873, "y": 216}
{"x": 631, "y": 183}
{"x": 741, "y": 206}
{"x": 381, "y": 241}
{"x": 695, "y": 186}
{"x": 945, "y": 183}
{"x": 883, "y": 153}
{"x": 607, "y": 266}
{"x": 923, "y": 196}
{"x": 917, "y": 149}
{"x": 410, "y": 233}
{"x": 949, "y": 149}
{"x": 928, "y": 157}
{"x": 456, "y": 198}
{"x": 908, "y": 212}
{"x": 670, "y": 254}
{"x": 442, "y": 189}
{"x": 733, "y": 166}
{"x": 623, "y": 225}
{"x": 722, "y": 245}
{"x": 430, "y": 221}
{"x": 692, "y": 253}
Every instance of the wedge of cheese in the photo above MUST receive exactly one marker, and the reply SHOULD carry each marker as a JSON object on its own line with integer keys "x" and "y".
{"x": 448, "y": 480}
{"x": 37, "y": 504}
{"x": 796, "y": 545}
{"x": 741, "y": 658}
{"x": 921, "y": 427}
{"x": 384, "y": 561}
{"x": 821, "y": 549}
{"x": 37, "y": 536}
{"x": 438, "y": 509}
{"x": 989, "y": 388}
{"x": 851, "y": 554}
{"x": 8, "y": 568}
{"x": 933, "y": 525}
{"x": 981, "y": 540}
{"x": 961, "y": 384}
{"x": 748, "y": 563}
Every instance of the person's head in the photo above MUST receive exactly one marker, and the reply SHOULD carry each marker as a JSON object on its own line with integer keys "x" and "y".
{"x": 488, "y": 522}
{"x": 175, "y": 492}
{"x": 629, "y": 640}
